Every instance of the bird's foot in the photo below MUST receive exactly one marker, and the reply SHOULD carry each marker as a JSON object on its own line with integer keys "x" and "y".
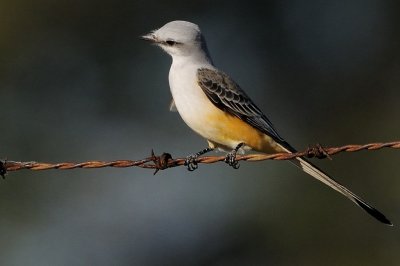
{"x": 191, "y": 160}
{"x": 230, "y": 158}
{"x": 191, "y": 163}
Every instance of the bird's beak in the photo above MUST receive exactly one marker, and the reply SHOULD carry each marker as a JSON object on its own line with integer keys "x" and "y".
{"x": 149, "y": 38}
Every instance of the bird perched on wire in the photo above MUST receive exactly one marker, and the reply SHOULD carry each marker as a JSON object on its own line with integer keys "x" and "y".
{"x": 216, "y": 108}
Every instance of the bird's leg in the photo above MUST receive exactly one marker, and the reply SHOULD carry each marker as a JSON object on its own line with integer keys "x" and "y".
{"x": 230, "y": 158}
{"x": 191, "y": 162}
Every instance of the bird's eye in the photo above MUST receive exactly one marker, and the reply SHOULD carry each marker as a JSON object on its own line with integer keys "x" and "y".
{"x": 170, "y": 42}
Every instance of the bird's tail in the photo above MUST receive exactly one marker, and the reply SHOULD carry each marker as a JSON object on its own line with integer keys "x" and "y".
{"x": 317, "y": 173}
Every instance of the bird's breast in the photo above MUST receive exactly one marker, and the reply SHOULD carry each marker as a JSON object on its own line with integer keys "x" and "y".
{"x": 190, "y": 100}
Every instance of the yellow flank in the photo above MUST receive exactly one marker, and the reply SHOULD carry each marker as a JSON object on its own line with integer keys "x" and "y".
{"x": 227, "y": 131}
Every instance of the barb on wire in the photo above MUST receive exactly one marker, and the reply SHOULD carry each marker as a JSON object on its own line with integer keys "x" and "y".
{"x": 165, "y": 160}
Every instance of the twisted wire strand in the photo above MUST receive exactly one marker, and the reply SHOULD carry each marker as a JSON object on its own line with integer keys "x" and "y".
{"x": 165, "y": 160}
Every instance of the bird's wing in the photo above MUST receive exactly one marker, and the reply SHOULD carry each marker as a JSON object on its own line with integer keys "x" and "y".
{"x": 172, "y": 106}
{"x": 228, "y": 96}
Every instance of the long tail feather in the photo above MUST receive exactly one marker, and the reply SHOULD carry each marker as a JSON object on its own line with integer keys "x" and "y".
{"x": 317, "y": 173}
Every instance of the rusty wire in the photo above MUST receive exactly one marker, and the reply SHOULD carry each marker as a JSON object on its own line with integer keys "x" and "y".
{"x": 166, "y": 161}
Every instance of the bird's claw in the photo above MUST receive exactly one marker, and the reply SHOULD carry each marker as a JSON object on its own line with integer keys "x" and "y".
{"x": 191, "y": 163}
{"x": 230, "y": 159}
{"x": 191, "y": 160}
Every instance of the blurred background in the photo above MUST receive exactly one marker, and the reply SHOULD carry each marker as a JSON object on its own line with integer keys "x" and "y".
{"x": 77, "y": 84}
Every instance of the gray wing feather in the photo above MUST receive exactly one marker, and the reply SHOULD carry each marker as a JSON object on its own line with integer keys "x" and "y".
{"x": 228, "y": 96}
{"x": 172, "y": 106}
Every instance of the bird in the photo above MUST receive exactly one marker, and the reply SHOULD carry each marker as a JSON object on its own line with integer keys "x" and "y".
{"x": 213, "y": 105}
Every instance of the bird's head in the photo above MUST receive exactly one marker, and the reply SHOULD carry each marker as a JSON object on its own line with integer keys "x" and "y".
{"x": 178, "y": 38}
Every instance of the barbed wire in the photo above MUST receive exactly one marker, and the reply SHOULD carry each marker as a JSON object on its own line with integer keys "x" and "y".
{"x": 165, "y": 160}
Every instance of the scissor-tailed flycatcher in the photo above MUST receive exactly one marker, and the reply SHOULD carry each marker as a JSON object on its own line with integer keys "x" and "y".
{"x": 215, "y": 107}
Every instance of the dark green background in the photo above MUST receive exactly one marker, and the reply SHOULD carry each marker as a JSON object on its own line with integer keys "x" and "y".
{"x": 76, "y": 84}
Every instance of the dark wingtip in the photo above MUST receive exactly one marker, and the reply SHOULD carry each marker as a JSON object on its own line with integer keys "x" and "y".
{"x": 374, "y": 212}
